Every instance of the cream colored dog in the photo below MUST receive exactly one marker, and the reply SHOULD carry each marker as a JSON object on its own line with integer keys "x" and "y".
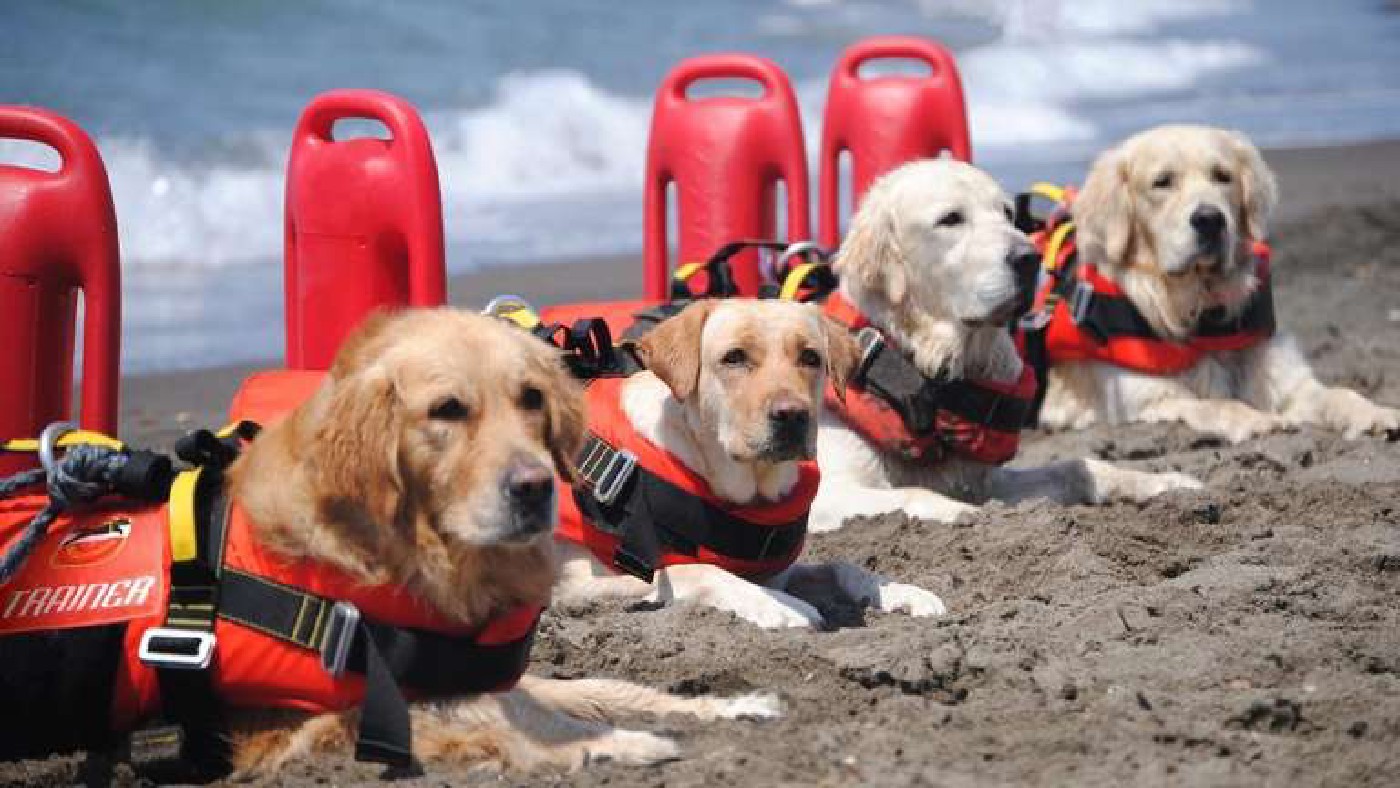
{"x": 733, "y": 389}
{"x": 1168, "y": 215}
{"x": 930, "y": 261}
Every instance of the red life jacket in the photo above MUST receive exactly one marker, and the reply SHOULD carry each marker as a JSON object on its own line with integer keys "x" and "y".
{"x": 112, "y": 565}
{"x": 890, "y": 403}
{"x": 1091, "y": 319}
{"x": 646, "y": 509}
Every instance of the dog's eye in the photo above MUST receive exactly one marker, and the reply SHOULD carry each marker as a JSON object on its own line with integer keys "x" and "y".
{"x": 735, "y": 358}
{"x": 1221, "y": 175}
{"x": 531, "y": 398}
{"x": 1164, "y": 181}
{"x": 951, "y": 219}
{"x": 809, "y": 358}
{"x": 448, "y": 409}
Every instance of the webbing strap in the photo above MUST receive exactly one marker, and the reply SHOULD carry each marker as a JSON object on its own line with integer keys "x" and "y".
{"x": 650, "y": 515}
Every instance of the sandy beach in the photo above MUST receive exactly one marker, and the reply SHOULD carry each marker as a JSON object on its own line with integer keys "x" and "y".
{"x": 1245, "y": 634}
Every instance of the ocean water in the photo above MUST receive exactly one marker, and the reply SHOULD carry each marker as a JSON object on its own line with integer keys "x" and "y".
{"x": 539, "y": 110}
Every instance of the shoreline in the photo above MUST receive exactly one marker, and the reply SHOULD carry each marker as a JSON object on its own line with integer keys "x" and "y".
{"x": 158, "y": 407}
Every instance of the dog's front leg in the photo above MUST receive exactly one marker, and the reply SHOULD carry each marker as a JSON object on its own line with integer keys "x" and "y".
{"x": 838, "y": 500}
{"x": 1278, "y": 378}
{"x": 1082, "y": 481}
{"x": 865, "y": 587}
{"x": 607, "y": 700}
{"x": 709, "y": 585}
{"x": 1227, "y": 418}
{"x": 583, "y": 577}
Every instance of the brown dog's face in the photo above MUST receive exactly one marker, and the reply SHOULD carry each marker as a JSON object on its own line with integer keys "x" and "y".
{"x": 1178, "y": 200}
{"x": 451, "y": 420}
{"x": 751, "y": 373}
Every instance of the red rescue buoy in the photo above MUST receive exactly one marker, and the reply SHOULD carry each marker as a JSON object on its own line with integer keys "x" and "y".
{"x": 886, "y": 121}
{"x": 363, "y": 222}
{"x": 58, "y": 235}
{"x": 725, "y": 155}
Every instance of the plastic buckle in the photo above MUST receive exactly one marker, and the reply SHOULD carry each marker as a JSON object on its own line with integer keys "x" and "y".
{"x": 618, "y": 470}
{"x": 340, "y": 637}
{"x": 871, "y": 342}
{"x": 1079, "y": 301}
{"x": 1036, "y": 319}
{"x": 184, "y": 649}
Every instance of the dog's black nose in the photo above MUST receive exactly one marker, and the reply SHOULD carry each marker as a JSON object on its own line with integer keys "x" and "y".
{"x": 1208, "y": 222}
{"x": 529, "y": 486}
{"x": 1025, "y": 266}
{"x": 790, "y": 420}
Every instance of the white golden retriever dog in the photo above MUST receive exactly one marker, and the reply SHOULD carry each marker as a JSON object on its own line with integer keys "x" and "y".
{"x": 931, "y": 262}
{"x": 1169, "y": 215}
{"x": 733, "y": 390}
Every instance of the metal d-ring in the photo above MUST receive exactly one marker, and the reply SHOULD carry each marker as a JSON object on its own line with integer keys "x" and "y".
{"x": 48, "y": 442}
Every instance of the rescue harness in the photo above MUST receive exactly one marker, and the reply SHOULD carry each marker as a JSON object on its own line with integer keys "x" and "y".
{"x": 891, "y": 402}
{"x": 636, "y": 506}
{"x": 228, "y": 623}
{"x": 1081, "y": 315}
{"x": 926, "y": 418}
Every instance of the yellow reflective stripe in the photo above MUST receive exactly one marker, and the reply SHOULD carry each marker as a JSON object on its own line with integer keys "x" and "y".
{"x": 1052, "y": 247}
{"x": 183, "y": 545}
{"x": 688, "y": 270}
{"x": 793, "y": 281}
{"x": 69, "y": 439}
{"x": 1049, "y": 191}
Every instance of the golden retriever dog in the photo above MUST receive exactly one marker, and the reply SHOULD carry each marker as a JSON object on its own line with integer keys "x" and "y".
{"x": 1169, "y": 215}
{"x": 930, "y": 261}
{"x": 733, "y": 389}
{"x": 426, "y": 460}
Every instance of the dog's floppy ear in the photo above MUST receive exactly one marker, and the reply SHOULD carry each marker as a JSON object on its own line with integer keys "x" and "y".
{"x": 567, "y": 418}
{"x": 842, "y": 355}
{"x": 1105, "y": 210}
{"x": 355, "y": 440}
{"x": 672, "y": 349}
{"x": 1258, "y": 187}
{"x": 870, "y": 254}
{"x": 355, "y": 448}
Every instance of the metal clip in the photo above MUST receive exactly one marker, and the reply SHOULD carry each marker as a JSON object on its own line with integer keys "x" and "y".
{"x": 614, "y": 476}
{"x": 1080, "y": 300}
{"x": 185, "y": 649}
{"x": 871, "y": 342}
{"x": 340, "y": 637}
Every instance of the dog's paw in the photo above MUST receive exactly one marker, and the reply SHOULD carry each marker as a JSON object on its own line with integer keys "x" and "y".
{"x": 905, "y": 598}
{"x": 1367, "y": 418}
{"x": 766, "y": 607}
{"x": 938, "y": 509}
{"x": 638, "y": 748}
{"x": 754, "y": 706}
{"x": 1250, "y": 423}
{"x": 1154, "y": 484}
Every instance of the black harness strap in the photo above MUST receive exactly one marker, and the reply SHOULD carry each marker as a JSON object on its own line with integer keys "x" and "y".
{"x": 918, "y": 398}
{"x": 649, "y": 515}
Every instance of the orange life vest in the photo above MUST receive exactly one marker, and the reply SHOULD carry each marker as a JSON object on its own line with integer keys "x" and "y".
{"x": 893, "y": 405}
{"x": 1085, "y": 316}
{"x": 112, "y": 565}
{"x": 644, "y": 508}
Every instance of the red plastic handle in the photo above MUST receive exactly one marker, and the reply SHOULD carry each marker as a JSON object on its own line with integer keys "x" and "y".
{"x": 724, "y": 153}
{"x": 728, "y": 65}
{"x": 887, "y": 120}
{"x": 321, "y": 115}
{"x": 84, "y": 255}
{"x": 895, "y": 47}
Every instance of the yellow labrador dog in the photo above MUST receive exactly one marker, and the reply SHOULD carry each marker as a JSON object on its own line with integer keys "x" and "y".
{"x": 1168, "y": 216}
{"x": 732, "y": 391}
{"x": 425, "y": 461}
{"x": 931, "y": 262}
